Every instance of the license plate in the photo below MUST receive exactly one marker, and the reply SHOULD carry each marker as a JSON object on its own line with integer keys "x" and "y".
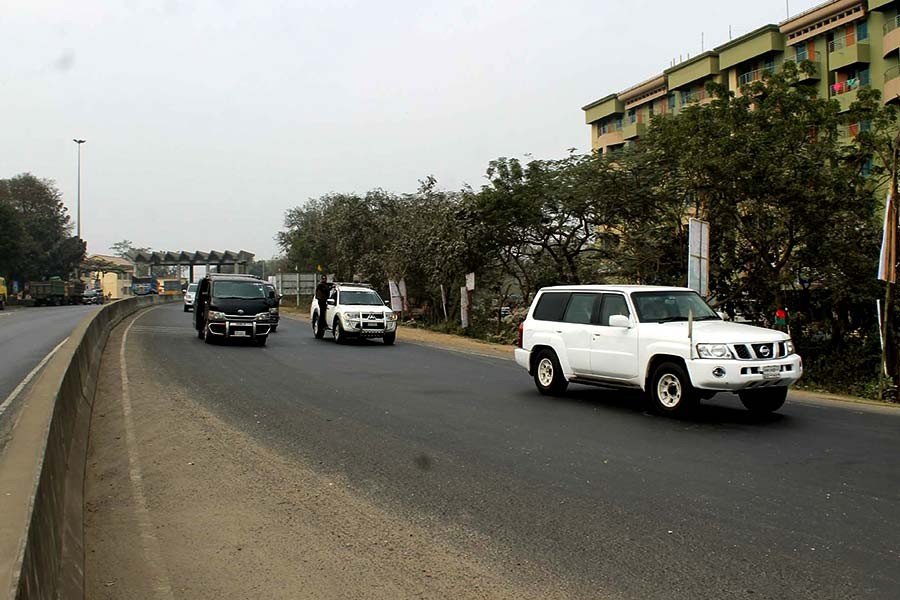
{"x": 239, "y": 333}
{"x": 771, "y": 372}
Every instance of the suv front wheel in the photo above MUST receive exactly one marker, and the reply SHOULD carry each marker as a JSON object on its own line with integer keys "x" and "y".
{"x": 548, "y": 375}
{"x": 337, "y": 330}
{"x": 671, "y": 391}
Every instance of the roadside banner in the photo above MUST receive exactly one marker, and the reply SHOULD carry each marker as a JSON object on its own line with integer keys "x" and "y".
{"x": 396, "y": 298}
{"x": 887, "y": 262}
{"x": 698, "y": 256}
{"x": 470, "y": 282}
{"x": 401, "y": 285}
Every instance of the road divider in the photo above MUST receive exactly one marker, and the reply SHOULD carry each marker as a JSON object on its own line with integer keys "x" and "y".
{"x": 42, "y": 466}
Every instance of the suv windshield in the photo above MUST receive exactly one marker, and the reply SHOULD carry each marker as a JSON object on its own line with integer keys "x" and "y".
{"x": 366, "y": 298}
{"x": 247, "y": 290}
{"x": 664, "y": 307}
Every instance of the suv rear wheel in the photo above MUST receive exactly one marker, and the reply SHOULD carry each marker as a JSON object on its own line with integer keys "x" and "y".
{"x": 318, "y": 327}
{"x": 548, "y": 375}
{"x": 764, "y": 401}
{"x": 671, "y": 391}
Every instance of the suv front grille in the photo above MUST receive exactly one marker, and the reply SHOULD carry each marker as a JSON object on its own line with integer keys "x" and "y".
{"x": 760, "y": 351}
{"x": 764, "y": 351}
{"x": 742, "y": 352}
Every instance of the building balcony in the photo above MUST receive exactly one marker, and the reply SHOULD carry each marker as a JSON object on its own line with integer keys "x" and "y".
{"x": 891, "y": 85}
{"x": 891, "y": 41}
{"x": 633, "y": 130}
{"x": 815, "y": 75}
{"x": 842, "y": 55}
{"x": 845, "y": 95}
{"x": 611, "y": 138}
{"x": 876, "y": 4}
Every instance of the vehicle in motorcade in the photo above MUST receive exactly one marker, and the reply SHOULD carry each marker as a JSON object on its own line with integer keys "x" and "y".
{"x": 3, "y": 293}
{"x": 189, "y": 297}
{"x": 232, "y": 306}
{"x": 274, "y": 303}
{"x": 92, "y": 296}
{"x": 354, "y": 310}
{"x": 169, "y": 287}
{"x": 144, "y": 286}
{"x": 665, "y": 341}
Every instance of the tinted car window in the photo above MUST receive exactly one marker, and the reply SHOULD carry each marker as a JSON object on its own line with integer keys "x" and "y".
{"x": 245, "y": 290}
{"x": 613, "y": 304}
{"x": 580, "y": 308}
{"x": 364, "y": 298}
{"x": 550, "y": 306}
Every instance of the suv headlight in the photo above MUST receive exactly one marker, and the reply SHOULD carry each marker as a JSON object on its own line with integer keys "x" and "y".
{"x": 789, "y": 347}
{"x": 390, "y": 316}
{"x": 273, "y": 311}
{"x": 713, "y": 351}
{"x": 262, "y": 316}
{"x": 215, "y": 315}
{"x": 351, "y": 315}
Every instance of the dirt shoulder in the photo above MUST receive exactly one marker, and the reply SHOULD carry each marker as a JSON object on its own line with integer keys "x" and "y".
{"x": 181, "y": 505}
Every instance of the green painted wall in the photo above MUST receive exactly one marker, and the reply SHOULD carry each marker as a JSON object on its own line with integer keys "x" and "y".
{"x": 604, "y": 109}
{"x": 699, "y": 68}
{"x": 754, "y": 46}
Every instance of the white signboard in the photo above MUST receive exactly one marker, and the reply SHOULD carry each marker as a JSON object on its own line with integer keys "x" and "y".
{"x": 470, "y": 282}
{"x": 698, "y": 256}
{"x": 401, "y": 285}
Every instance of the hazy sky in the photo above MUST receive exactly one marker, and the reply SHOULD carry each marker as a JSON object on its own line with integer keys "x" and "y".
{"x": 205, "y": 120}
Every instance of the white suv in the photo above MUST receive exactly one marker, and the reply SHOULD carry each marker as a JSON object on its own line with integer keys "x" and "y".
{"x": 189, "y": 297}
{"x": 663, "y": 340}
{"x": 354, "y": 310}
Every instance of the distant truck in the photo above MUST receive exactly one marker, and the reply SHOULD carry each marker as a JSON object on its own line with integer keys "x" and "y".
{"x": 56, "y": 292}
{"x": 169, "y": 287}
{"x": 144, "y": 286}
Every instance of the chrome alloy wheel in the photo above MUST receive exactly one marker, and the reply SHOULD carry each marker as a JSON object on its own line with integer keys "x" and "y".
{"x": 668, "y": 390}
{"x": 545, "y": 372}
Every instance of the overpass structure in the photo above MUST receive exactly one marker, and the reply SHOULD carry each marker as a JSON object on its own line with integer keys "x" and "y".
{"x": 233, "y": 262}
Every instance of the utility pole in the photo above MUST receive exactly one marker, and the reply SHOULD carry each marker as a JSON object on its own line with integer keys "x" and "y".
{"x": 78, "y": 210}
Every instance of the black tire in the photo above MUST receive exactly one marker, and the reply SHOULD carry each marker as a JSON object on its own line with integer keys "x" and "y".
{"x": 390, "y": 338}
{"x": 764, "y": 401}
{"x": 209, "y": 339}
{"x": 186, "y": 309}
{"x": 337, "y": 330}
{"x": 318, "y": 327}
{"x": 274, "y": 328}
{"x": 261, "y": 340}
{"x": 3, "y": 304}
{"x": 670, "y": 390}
{"x": 548, "y": 375}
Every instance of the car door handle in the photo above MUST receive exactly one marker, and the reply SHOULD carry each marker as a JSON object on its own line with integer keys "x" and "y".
{"x": 558, "y": 331}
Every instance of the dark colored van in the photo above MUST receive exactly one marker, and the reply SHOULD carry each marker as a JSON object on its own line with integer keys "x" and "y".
{"x": 233, "y": 306}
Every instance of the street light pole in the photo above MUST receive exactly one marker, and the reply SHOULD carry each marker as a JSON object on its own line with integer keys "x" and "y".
{"x": 78, "y": 210}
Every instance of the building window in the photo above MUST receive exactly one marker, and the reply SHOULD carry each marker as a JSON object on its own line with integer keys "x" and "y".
{"x": 671, "y": 102}
{"x": 865, "y": 125}
{"x": 868, "y": 167}
{"x": 770, "y": 65}
{"x": 650, "y": 109}
{"x": 632, "y": 115}
{"x": 862, "y": 31}
{"x": 801, "y": 53}
{"x": 619, "y": 123}
{"x": 864, "y": 78}
{"x": 604, "y": 127}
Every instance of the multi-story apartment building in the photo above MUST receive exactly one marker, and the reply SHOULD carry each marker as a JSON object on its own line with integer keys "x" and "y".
{"x": 852, "y": 43}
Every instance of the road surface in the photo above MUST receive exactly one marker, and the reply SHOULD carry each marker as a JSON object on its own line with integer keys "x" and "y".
{"x": 27, "y": 335}
{"x": 587, "y": 495}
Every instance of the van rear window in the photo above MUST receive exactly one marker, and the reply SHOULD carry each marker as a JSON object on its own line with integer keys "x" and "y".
{"x": 550, "y": 306}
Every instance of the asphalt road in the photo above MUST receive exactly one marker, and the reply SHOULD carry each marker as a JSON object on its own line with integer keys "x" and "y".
{"x": 26, "y": 336}
{"x": 610, "y": 500}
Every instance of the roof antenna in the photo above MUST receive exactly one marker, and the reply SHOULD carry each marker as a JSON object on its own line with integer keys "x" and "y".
{"x": 702, "y": 42}
{"x": 787, "y": 8}
{"x": 729, "y": 33}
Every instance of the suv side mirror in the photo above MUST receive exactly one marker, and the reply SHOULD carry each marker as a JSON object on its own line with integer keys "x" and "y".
{"x": 330, "y": 302}
{"x": 620, "y": 321}
{"x": 272, "y": 295}
{"x": 387, "y": 303}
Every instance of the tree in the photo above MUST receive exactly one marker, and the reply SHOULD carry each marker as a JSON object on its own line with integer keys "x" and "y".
{"x": 44, "y": 225}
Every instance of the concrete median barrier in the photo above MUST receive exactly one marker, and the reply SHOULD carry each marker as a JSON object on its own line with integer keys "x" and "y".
{"x": 42, "y": 467}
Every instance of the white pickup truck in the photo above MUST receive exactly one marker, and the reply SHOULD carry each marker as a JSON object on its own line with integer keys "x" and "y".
{"x": 665, "y": 341}
{"x": 354, "y": 311}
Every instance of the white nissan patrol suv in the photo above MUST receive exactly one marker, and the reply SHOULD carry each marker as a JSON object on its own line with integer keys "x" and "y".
{"x": 354, "y": 310}
{"x": 663, "y": 340}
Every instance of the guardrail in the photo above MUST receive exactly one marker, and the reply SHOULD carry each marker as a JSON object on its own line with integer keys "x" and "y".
{"x": 42, "y": 467}
{"x": 891, "y": 24}
{"x": 892, "y": 73}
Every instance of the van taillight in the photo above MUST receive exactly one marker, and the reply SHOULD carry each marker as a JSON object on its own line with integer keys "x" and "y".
{"x": 521, "y": 329}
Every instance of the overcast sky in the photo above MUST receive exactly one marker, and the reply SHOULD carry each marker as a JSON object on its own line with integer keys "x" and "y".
{"x": 206, "y": 119}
